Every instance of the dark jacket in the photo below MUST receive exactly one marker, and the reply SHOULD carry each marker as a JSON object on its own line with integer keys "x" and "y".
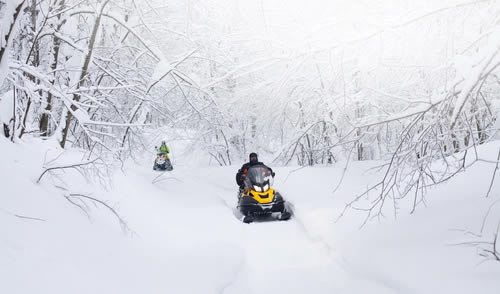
{"x": 244, "y": 169}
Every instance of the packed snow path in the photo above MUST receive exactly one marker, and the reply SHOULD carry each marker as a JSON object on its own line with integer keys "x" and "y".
{"x": 195, "y": 208}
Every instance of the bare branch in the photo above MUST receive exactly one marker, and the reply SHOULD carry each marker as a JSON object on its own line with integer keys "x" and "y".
{"x": 70, "y": 166}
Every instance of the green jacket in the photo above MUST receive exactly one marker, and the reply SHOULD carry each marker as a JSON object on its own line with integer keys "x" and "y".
{"x": 164, "y": 149}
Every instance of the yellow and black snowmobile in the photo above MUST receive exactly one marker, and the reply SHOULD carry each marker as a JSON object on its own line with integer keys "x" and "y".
{"x": 258, "y": 198}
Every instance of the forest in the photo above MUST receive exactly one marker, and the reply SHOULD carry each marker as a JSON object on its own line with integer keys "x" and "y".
{"x": 412, "y": 86}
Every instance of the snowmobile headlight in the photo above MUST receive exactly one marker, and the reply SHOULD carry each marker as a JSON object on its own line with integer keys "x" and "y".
{"x": 257, "y": 188}
{"x": 266, "y": 187}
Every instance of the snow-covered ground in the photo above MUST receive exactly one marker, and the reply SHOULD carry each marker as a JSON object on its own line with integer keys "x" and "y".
{"x": 184, "y": 237}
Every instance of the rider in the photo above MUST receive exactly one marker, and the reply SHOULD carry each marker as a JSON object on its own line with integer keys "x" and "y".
{"x": 164, "y": 148}
{"x": 253, "y": 160}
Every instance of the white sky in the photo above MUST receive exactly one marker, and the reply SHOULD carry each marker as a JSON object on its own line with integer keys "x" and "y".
{"x": 316, "y": 22}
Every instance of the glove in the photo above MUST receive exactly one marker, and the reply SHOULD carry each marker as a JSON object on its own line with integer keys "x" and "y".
{"x": 272, "y": 174}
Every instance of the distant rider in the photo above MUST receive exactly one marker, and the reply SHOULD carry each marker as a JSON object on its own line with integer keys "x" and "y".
{"x": 244, "y": 170}
{"x": 164, "y": 148}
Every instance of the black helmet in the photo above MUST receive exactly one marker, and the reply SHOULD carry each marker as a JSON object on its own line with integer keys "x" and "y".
{"x": 253, "y": 157}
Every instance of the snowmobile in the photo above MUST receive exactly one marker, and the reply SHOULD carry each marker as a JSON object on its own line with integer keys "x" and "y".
{"x": 258, "y": 199}
{"x": 162, "y": 162}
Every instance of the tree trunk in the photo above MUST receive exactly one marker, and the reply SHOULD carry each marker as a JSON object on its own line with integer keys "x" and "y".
{"x": 3, "y": 49}
{"x": 13, "y": 115}
{"x": 76, "y": 97}
{"x": 35, "y": 61}
{"x": 7, "y": 37}
{"x": 44, "y": 119}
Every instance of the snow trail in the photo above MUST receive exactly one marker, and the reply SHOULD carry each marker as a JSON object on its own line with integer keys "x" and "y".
{"x": 268, "y": 255}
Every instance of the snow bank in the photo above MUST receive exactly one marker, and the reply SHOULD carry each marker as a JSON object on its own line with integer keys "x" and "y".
{"x": 417, "y": 253}
{"x": 58, "y": 248}
{"x": 6, "y": 107}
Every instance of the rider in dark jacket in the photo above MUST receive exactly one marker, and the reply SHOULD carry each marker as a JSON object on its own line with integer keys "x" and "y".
{"x": 253, "y": 160}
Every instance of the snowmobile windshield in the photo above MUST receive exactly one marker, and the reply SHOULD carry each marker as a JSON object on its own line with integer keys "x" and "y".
{"x": 259, "y": 175}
